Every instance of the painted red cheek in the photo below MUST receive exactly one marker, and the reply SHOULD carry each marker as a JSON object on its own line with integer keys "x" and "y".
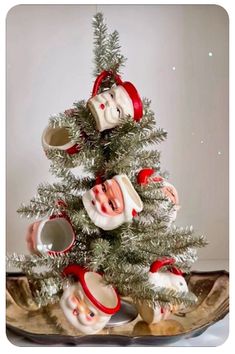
{"x": 162, "y": 311}
{"x": 88, "y": 318}
{"x": 157, "y": 179}
{"x": 103, "y": 209}
{"x": 134, "y": 213}
{"x": 102, "y": 106}
{"x": 96, "y": 191}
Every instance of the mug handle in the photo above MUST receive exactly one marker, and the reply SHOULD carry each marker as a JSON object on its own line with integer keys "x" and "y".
{"x": 103, "y": 76}
{"x": 155, "y": 266}
{"x": 76, "y": 270}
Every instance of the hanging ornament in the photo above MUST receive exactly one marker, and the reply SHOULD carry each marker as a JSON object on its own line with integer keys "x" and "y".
{"x": 118, "y": 102}
{"x": 53, "y": 235}
{"x": 113, "y": 202}
{"x": 58, "y": 138}
{"x": 171, "y": 279}
{"x": 148, "y": 175}
{"x": 89, "y": 303}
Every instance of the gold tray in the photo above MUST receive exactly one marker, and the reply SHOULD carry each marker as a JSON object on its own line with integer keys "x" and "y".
{"x": 49, "y": 326}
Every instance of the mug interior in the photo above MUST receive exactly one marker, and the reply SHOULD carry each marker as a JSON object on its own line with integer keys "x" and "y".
{"x": 57, "y": 235}
{"x": 57, "y": 136}
{"x": 103, "y": 293}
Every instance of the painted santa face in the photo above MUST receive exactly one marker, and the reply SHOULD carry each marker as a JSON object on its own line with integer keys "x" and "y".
{"x": 171, "y": 193}
{"x": 174, "y": 282}
{"x": 107, "y": 198}
{"x": 167, "y": 280}
{"x": 177, "y": 282}
{"x": 31, "y": 237}
{"x": 112, "y": 203}
{"x": 105, "y": 205}
{"x": 80, "y": 312}
{"x": 109, "y": 106}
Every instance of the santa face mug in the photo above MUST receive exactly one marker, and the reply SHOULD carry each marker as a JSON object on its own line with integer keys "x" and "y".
{"x": 58, "y": 138}
{"x": 118, "y": 102}
{"x": 52, "y": 235}
{"x": 172, "y": 279}
{"x": 148, "y": 175}
{"x": 112, "y": 202}
{"x": 89, "y": 303}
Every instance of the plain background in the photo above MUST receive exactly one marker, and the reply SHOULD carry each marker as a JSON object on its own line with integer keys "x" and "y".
{"x": 177, "y": 57}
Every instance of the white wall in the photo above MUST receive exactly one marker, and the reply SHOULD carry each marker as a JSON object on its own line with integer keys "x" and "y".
{"x": 49, "y": 66}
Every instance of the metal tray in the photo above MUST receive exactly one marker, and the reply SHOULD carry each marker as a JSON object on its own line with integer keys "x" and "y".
{"x": 49, "y": 326}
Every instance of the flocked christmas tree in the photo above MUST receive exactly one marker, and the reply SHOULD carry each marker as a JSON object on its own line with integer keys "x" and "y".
{"x": 117, "y": 217}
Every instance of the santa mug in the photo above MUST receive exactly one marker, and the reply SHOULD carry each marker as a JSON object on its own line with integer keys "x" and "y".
{"x": 172, "y": 279}
{"x": 113, "y": 202}
{"x": 52, "y": 235}
{"x": 89, "y": 303}
{"x": 58, "y": 138}
{"x": 148, "y": 175}
{"x": 118, "y": 102}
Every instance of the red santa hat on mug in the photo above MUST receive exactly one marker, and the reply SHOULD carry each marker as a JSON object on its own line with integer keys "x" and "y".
{"x": 104, "y": 297}
{"x": 132, "y": 202}
{"x": 157, "y": 265}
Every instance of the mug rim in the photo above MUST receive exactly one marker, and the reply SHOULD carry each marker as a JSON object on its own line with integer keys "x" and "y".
{"x": 39, "y": 229}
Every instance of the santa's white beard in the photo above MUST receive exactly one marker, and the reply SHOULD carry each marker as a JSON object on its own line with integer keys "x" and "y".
{"x": 79, "y": 321}
{"x": 86, "y": 327}
{"x": 105, "y": 222}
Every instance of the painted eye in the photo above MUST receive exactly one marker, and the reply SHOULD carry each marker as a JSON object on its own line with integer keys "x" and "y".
{"x": 112, "y": 205}
{"x": 92, "y": 314}
{"x": 119, "y": 112}
{"x": 181, "y": 284}
{"x": 111, "y": 94}
{"x": 103, "y": 187}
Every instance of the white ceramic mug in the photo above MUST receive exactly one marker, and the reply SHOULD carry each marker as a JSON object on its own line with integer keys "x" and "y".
{"x": 172, "y": 279}
{"x": 53, "y": 235}
{"x": 58, "y": 138}
{"x": 89, "y": 303}
{"x": 118, "y": 102}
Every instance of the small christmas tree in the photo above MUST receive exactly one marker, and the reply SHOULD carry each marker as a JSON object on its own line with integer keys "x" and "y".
{"x": 129, "y": 237}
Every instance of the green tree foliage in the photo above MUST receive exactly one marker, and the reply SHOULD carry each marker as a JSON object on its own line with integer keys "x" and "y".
{"x": 123, "y": 254}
